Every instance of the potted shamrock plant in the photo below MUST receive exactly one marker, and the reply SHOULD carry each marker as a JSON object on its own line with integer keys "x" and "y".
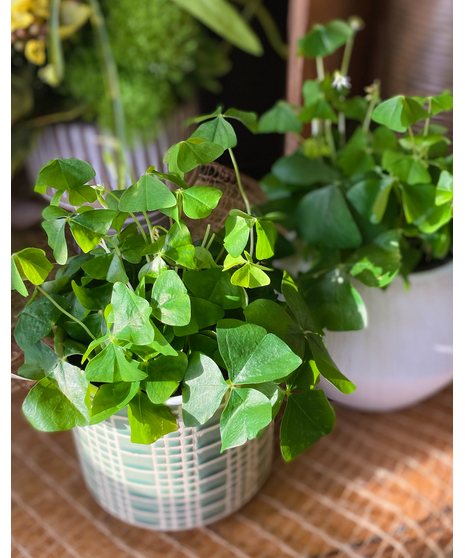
{"x": 169, "y": 356}
{"x": 368, "y": 193}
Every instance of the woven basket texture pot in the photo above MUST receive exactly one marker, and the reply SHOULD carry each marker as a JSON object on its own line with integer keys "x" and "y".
{"x": 405, "y": 353}
{"x": 181, "y": 481}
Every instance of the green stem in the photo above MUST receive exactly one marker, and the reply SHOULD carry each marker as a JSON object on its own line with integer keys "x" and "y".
{"x": 346, "y": 57}
{"x": 149, "y": 224}
{"x": 243, "y": 194}
{"x": 219, "y": 255}
{"x": 412, "y": 139}
{"x": 371, "y": 107}
{"x": 55, "y": 48}
{"x": 330, "y": 140}
{"x": 63, "y": 116}
{"x": 320, "y": 68}
{"x": 115, "y": 246}
{"x": 205, "y": 236}
{"x": 425, "y": 132}
{"x": 65, "y": 312}
{"x": 341, "y": 126}
{"x": 210, "y": 242}
{"x": 110, "y": 71}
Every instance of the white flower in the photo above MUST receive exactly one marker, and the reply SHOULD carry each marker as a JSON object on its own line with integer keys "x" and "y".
{"x": 341, "y": 81}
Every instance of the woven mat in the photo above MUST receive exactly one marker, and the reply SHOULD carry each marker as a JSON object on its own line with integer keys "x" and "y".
{"x": 379, "y": 487}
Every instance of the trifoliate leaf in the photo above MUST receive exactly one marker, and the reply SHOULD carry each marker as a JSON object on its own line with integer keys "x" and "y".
{"x": 204, "y": 389}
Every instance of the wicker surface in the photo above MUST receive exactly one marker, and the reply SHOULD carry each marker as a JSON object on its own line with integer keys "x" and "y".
{"x": 379, "y": 486}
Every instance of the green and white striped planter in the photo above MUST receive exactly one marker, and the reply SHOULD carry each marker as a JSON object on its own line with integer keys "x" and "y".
{"x": 180, "y": 482}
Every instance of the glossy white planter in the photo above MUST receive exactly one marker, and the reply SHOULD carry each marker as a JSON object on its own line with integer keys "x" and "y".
{"x": 405, "y": 353}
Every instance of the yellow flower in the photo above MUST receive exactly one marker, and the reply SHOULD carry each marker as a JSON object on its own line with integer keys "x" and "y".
{"x": 24, "y": 12}
{"x": 41, "y": 8}
{"x": 21, "y": 17}
{"x": 35, "y": 52}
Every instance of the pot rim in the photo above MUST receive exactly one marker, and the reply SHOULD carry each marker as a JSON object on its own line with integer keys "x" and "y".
{"x": 426, "y": 274}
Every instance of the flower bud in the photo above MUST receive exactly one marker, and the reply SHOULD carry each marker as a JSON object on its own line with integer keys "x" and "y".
{"x": 356, "y": 23}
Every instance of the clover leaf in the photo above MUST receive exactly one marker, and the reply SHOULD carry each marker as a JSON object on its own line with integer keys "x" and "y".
{"x": 37, "y": 319}
{"x": 308, "y": 417}
{"x": 171, "y": 303}
{"x": 149, "y": 422}
{"x": 58, "y": 401}
{"x": 218, "y": 131}
{"x": 376, "y": 264}
{"x": 164, "y": 375}
{"x": 64, "y": 174}
{"x": 200, "y": 201}
{"x": 325, "y": 218}
{"x": 252, "y": 355}
{"x": 111, "y": 366}
{"x": 204, "y": 389}
{"x": 247, "y": 412}
{"x": 110, "y": 398}
{"x": 325, "y": 39}
{"x": 266, "y": 239}
{"x": 147, "y": 194}
{"x": 56, "y": 239}
{"x": 280, "y": 119}
{"x": 399, "y": 112}
{"x": 237, "y": 231}
{"x": 131, "y": 316}
{"x": 33, "y": 264}
{"x": 332, "y": 298}
{"x": 189, "y": 154}
{"x": 90, "y": 227}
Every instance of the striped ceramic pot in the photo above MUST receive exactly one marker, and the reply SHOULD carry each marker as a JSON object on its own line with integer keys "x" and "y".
{"x": 404, "y": 355}
{"x": 181, "y": 481}
{"x": 82, "y": 140}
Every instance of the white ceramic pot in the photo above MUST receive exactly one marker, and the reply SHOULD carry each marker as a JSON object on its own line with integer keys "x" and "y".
{"x": 405, "y": 353}
{"x": 181, "y": 481}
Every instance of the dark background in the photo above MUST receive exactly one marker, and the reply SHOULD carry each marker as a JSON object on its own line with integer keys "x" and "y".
{"x": 254, "y": 84}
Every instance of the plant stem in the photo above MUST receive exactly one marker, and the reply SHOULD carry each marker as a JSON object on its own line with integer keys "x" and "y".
{"x": 115, "y": 246}
{"x": 219, "y": 255}
{"x": 243, "y": 194}
{"x": 425, "y": 132}
{"x": 63, "y": 116}
{"x": 149, "y": 224}
{"x": 55, "y": 48}
{"x": 65, "y": 312}
{"x": 210, "y": 242}
{"x": 412, "y": 139}
{"x": 205, "y": 236}
{"x": 341, "y": 126}
{"x": 104, "y": 246}
{"x": 110, "y": 71}
{"x": 330, "y": 140}
{"x": 367, "y": 120}
{"x": 347, "y": 56}
{"x": 320, "y": 68}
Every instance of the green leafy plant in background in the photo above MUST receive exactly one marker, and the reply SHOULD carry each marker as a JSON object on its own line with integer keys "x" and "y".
{"x": 125, "y": 65}
{"x": 146, "y": 312}
{"x": 368, "y": 202}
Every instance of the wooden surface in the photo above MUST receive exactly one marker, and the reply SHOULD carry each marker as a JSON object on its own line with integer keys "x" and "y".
{"x": 379, "y": 486}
